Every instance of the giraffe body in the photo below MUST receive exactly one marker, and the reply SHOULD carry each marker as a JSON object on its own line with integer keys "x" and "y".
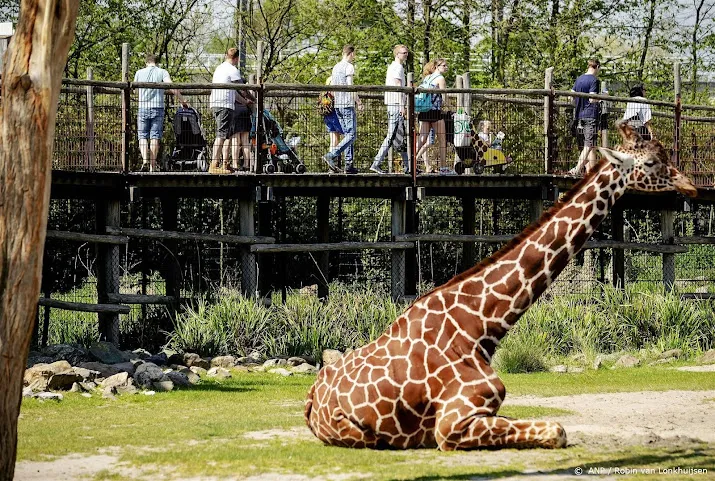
{"x": 427, "y": 381}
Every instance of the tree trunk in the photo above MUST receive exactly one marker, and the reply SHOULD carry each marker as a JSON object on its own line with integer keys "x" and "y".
{"x": 30, "y": 88}
{"x": 646, "y": 38}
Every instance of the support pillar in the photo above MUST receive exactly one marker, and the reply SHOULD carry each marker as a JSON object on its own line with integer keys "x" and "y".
{"x": 667, "y": 231}
{"x": 411, "y": 226}
{"x": 108, "y": 215}
{"x": 247, "y": 227}
{"x": 536, "y": 208}
{"x": 619, "y": 259}
{"x": 469, "y": 215}
{"x": 265, "y": 228}
{"x": 171, "y": 269}
{"x": 323, "y": 258}
{"x": 397, "y": 276}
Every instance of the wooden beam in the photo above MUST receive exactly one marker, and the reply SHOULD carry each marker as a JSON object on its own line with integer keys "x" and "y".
{"x": 140, "y": 299}
{"x": 82, "y": 237}
{"x": 84, "y": 307}
{"x": 694, "y": 240}
{"x": 163, "y": 234}
{"x": 334, "y": 246}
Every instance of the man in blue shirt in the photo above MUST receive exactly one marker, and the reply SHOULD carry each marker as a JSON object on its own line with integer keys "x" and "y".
{"x": 587, "y": 111}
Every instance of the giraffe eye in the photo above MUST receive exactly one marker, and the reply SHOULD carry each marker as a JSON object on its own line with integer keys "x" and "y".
{"x": 649, "y": 163}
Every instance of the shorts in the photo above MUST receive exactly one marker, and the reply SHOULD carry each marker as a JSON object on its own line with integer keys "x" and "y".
{"x": 590, "y": 132}
{"x": 224, "y": 122}
{"x": 150, "y": 123}
{"x": 332, "y": 123}
{"x": 430, "y": 116}
{"x": 241, "y": 120}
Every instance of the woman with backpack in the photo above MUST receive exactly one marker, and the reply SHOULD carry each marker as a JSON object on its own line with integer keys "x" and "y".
{"x": 433, "y": 78}
{"x": 639, "y": 115}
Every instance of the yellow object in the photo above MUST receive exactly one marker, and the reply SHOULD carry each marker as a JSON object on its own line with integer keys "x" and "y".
{"x": 494, "y": 157}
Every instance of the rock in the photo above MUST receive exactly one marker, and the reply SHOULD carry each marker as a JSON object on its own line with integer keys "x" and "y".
{"x": 76, "y": 388}
{"x": 160, "y": 359}
{"x": 180, "y": 379}
{"x": 38, "y": 359}
{"x": 219, "y": 373}
{"x": 141, "y": 353}
{"x": 28, "y": 392}
{"x": 148, "y": 393}
{"x": 119, "y": 384}
{"x": 105, "y": 370}
{"x": 256, "y": 368}
{"x": 305, "y": 368}
{"x": 561, "y": 368}
{"x": 223, "y": 361}
{"x": 627, "y": 361}
{"x": 574, "y": 370}
{"x": 146, "y": 374}
{"x": 86, "y": 374}
{"x": 108, "y": 393}
{"x": 163, "y": 386}
{"x": 199, "y": 371}
{"x": 88, "y": 385}
{"x": 331, "y": 356}
{"x": 173, "y": 357}
{"x": 72, "y": 353}
{"x": 240, "y": 369}
{"x": 296, "y": 361}
{"x": 63, "y": 381}
{"x": 191, "y": 360}
{"x": 671, "y": 353}
{"x": 274, "y": 363}
{"x": 256, "y": 356}
{"x": 128, "y": 367}
{"x": 106, "y": 352}
{"x": 38, "y": 376}
{"x": 708, "y": 357}
{"x": 281, "y": 371}
{"x": 598, "y": 362}
{"x": 86, "y": 394}
{"x": 49, "y": 396}
{"x": 661, "y": 361}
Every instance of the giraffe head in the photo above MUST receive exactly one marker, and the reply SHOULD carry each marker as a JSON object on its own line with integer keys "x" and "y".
{"x": 647, "y": 164}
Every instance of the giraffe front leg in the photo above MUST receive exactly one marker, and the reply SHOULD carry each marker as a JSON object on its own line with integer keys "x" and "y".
{"x": 455, "y": 431}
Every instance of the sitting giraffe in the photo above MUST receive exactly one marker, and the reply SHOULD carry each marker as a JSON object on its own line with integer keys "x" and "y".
{"x": 427, "y": 381}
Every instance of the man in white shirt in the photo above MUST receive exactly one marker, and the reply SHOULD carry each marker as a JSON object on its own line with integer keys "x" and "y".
{"x": 345, "y": 102}
{"x": 639, "y": 115}
{"x": 150, "y": 115}
{"x": 396, "y": 107}
{"x": 222, "y": 104}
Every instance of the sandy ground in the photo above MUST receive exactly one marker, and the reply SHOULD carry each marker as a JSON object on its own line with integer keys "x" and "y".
{"x": 670, "y": 418}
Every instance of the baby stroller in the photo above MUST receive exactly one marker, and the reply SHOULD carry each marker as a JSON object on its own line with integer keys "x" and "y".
{"x": 281, "y": 156}
{"x": 189, "y": 151}
{"x": 477, "y": 155}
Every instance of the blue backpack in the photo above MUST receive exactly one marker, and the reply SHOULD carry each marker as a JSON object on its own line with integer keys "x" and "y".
{"x": 423, "y": 100}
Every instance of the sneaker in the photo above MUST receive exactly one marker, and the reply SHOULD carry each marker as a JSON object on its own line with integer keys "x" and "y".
{"x": 375, "y": 167}
{"x": 574, "y": 172}
{"x": 329, "y": 160}
{"x": 349, "y": 169}
{"x": 215, "y": 169}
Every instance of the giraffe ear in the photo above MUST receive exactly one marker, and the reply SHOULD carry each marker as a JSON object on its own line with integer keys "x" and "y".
{"x": 614, "y": 157}
{"x": 628, "y": 134}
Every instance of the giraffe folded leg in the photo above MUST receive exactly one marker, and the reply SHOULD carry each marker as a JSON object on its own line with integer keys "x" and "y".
{"x": 476, "y": 431}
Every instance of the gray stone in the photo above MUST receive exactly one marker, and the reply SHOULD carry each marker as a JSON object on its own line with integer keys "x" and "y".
{"x": 106, "y": 352}
{"x": 105, "y": 370}
{"x": 708, "y": 357}
{"x": 86, "y": 374}
{"x": 120, "y": 384}
{"x": 128, "y": 367}
{"x": 191, "y": 360}
{"x": 662, "y": 361}
{"x": 28, "y": 392}
{"x": 179, "y": 378}
{"x": 49, "y": 396}
{"x": 72, "y": 353}
{"x": 173, "y": 357}
{"x": 575, "y": 370}
{"x": 561, "y": 368}
{"x": 256, "y": 357}
{"x": 88, "y": 385}
{"x": 281, "y": 371}
{"x": 296, "y": 361}
{"x": 38, "y": 376}
{"x": 159, "y": 359}
{"x": 331, "y": 356}
{"x": 218, "y": 373}
{"x": 305, "y": 368}
{"x": 141, "y": 353}
{"x": 146, "y": 374}
{"x": 223, "y": 361}
{"x": 627, "y": 361}
{"x": 108, "y": 393}
{"x": 671, "y": 353}
{"x": 271, "y": 363}
{"x": 165, "y": 385}
{"x": 63, "y": 381}
{"x": 199, "y": 371}
{"x": 76, "y": 388}
{"x": 598, "y": 362}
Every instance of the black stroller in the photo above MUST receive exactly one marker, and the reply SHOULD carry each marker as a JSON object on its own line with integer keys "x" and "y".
{"x": 189, "y": 151}
{"x": 280, "y": 154}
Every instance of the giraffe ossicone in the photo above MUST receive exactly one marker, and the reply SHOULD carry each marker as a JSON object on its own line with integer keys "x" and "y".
{"x": 427, "y": 381}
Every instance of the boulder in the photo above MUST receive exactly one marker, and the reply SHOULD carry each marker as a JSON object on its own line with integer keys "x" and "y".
{"x": 38, "y": 376}
{"x": 119, "y": 384}
{"x": 105, "y": 370}
{"x": 49, "y": 396}
{"x": 141, "y": 353}
{"x": 708, "y": 357}
{"x": 148, "y": 373}
{"x": 223, "y": 361}
{"x": 194, "y": 360}
{"x": 598, "y": 362}
{"x": 106, "y": 352}
{"x": 627, "y": 361}
{"x": 199, "y": 371}
{"x": 86, "y": 374}
{"x": 164, "y": 385}
{"x": 160, "y": 359}
{"x": 72, "y": 353}
{"x": 281, "y": 371}
{"x": 218, "y": 373}
{"x": 256, "y": 356}
{"x": 298, "y": 360}
{"x": 305, "y": 368}
{"x": 172, "y": 357}
{"x": 181, "y": 379}
{"x": 128, "y": 367}
{"x": 331, "y": 356}
{"x": 63, "y": 381}
{"x": 671, "y": 353}
{"x": 560, "y": 368}
{"x": 271, "y": 363}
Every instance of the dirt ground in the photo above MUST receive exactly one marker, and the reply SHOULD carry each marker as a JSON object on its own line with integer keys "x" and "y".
{"x": 663, "y": 419}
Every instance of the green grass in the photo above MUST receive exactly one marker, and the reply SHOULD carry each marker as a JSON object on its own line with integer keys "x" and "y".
{"x": 206, "y": 431}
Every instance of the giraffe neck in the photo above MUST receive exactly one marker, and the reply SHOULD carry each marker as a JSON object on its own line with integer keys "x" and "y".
{"x": 502, "y": 288}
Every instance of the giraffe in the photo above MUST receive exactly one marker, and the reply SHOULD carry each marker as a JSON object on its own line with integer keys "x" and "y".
{"x": 427, "y": 381}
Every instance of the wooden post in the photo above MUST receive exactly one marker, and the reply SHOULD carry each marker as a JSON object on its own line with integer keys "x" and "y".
{"x": 667, "y": 231}
{"x": 605, "y": 105}
{"x": 172, "y": 272}
{"x": 411, "y": 128}
{"x": 126, "y": 114}
{"x": 678, "y": 114}
{"x": 549, "y": 140}
{"x": 411, "y": 224}
{"x": 323, "y": 222}
{"x": 619, "y": 264}
{"x": 260, "y": 154}
{"x": 108, "y": 215}
{"x": 537, "y": 208}
{"x": 397, "y": 276}
{"x": 469, "y": 215}
{"x": 89, "y": 141}
{"x": 265, "y": 262}
{"x": 247, "y": 226}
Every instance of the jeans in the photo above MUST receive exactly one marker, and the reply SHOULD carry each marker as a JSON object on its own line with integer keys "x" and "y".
{"x": 348, "y": 122}
{"x": 150, "y": 123}
{"x": 394, "y": 120}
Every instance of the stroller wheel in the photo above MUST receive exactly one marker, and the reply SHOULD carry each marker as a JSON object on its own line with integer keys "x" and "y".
{"x": 201, "y": 164}
{"x": 459, "y": 167}
{"x": 165, "y": 164}
{"x": 300, "y": 168}
{"x": 269, "y": 168}
{"x": 287, "y": 168}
